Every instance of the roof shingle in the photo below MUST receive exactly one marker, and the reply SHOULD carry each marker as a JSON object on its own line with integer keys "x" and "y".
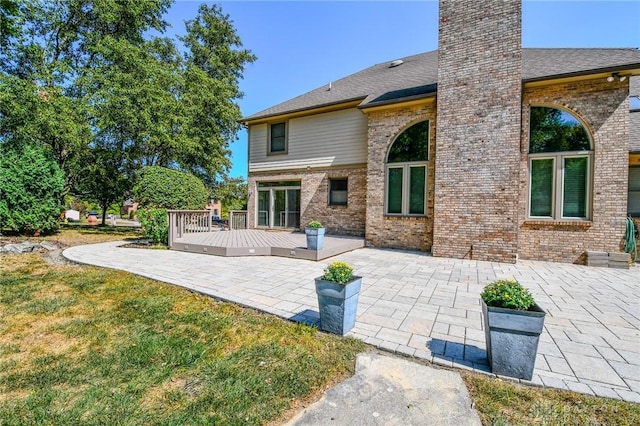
{"x": 417, "y": 76}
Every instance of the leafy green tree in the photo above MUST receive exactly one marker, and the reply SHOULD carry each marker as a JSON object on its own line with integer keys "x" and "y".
{"x": 160, "y": 187}
{"x": 88, "y": 80}
{"x": 9, "y": 17}
{"x": 215, "y": 61}
{"x": 31, "y": 184}
{"x": 232, "y": 193}
{"x": 107, "y": 178}
{"x": 46, "y": 86}
{"x": 155, "y": 225}
{"x": 33, "y": 114}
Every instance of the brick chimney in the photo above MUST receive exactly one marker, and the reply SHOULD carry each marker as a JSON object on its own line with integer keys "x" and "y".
{"x": 478, "y": 130}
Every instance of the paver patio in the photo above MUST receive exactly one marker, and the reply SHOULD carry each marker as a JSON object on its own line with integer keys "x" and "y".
{"x": 418, "y": 305}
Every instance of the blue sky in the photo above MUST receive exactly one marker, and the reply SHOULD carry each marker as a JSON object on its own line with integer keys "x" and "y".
{"x": 302, "y": 45}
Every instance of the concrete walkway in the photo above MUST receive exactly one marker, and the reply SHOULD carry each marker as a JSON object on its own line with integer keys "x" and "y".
{"x": 418, "y": 305}
{"x": 391, "y": 391}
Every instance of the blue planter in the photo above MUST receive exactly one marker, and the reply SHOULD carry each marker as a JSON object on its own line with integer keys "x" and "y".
{"x": 315, "y": 238}
{"x": 338, "y": 304}
{"x": 512, "y": 339}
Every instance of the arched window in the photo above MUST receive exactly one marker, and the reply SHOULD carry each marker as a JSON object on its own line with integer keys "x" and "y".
{"x": 406, "y": 169}
{"x": 560, "y": 158}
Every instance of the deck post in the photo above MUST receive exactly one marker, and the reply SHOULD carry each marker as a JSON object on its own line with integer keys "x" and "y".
{"x": 170, "y": 230}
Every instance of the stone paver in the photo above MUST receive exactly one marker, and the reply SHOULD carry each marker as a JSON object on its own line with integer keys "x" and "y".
{"x": 415, "y": 304}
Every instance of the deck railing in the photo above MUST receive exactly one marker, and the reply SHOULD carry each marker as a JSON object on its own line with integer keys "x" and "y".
{"x": 237, "y": 219}
{"x": 183, "y": 222}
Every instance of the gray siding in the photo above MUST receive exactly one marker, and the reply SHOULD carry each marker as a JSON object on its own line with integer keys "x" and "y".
{"x": 634, "y": 117}
{"x": 335, "y": 138}
{"x": 634, "y": 86}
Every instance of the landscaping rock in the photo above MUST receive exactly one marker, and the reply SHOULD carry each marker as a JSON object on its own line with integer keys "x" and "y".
{"x": 49, "y": 245}
{"x": 24, "y": 247}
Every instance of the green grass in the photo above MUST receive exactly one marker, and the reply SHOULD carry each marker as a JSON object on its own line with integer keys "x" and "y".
{"x": 82, "y": 345}
{"x": 504, "y": 403}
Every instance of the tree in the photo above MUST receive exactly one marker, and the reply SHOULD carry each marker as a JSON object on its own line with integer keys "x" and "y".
{"x": 159, "y": 187}
{"x": 232, "y": 193}
{"x": 30, "y": 192}
{"x": 107, "y": 178}
{"x": 32, "y": 114}
{"x": 86, "y": 78}
{"x": 9, "y": 16}
{"x": 214, "y": 64}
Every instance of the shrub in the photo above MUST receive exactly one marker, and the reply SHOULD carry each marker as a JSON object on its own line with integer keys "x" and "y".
{"x": 154, "y": 225}
{"x": 159, "y": 187}
{"x": 339, "y": 272}
{"x": 314, "y": 224}
{"x": 31, "y": 185}
{"x": 507, "y": 294}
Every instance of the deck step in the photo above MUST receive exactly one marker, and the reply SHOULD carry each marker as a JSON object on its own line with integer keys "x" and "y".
{"x": 263, "y": 243}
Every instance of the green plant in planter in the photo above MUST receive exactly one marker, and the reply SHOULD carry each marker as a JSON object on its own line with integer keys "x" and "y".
{"x": 339, "y": 272}
{"x": 338, "y": 290}
{"x": 507, "y": 294}
{"x": 314, "y": 224}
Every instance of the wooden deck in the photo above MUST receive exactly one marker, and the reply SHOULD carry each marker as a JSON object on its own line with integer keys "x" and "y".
{"x": 254, "y": 242}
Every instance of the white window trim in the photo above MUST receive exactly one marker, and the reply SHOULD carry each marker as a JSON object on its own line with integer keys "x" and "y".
{"x": 406, "y": 180}
{"x": 558, "y": 180}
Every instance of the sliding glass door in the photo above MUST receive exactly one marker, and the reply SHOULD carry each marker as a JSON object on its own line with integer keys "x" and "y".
{"x": 278, "y": 205}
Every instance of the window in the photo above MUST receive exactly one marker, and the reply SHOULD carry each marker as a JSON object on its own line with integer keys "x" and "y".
{"x": 634, "y": 191}
{"x": 278, "y": 138}
{"x": 406, "y": 170}
{"x": 338, "y": 192}
{"x": 560, "y": 159}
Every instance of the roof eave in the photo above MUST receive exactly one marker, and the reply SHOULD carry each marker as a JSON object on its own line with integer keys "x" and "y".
{"x": 406, "y": 99}
{"x": 314, "y": 109}
{"x": 633, "y": 69}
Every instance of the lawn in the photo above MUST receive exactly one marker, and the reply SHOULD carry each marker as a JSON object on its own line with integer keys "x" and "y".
{"x": 84, "y": 345}
{"x": 501, "y": 402}
{"x": 94, "y": 346}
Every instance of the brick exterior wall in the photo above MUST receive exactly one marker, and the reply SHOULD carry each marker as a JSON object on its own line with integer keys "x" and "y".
{"x": 477, "y": 181}
{"x": 390, "y": 231}
{"x": 604, "y": 108}
{"x": 314, "y": 196}
{"x": 479, "y": 113}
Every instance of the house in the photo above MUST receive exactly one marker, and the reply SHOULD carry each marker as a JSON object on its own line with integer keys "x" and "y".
{"x": 634, "y": 148}
{"x": 216, "y": 208}
{"x": 128, "y": 207}
{"x": 481, "y": 149}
